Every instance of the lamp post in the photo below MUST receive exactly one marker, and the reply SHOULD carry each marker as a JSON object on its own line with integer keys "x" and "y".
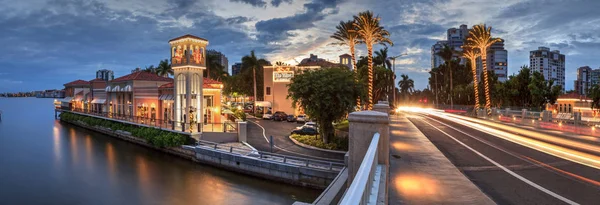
{"x": 394, "y": 76}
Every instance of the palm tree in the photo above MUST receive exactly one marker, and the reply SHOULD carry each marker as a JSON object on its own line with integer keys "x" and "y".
{"x": 472, "y": 55}
{"x": 447, "y": 54}
{"x": 406, "y": 85}
{"x": 480, "y": 37}
{"x": 253, "y": 62}
{"x": 164, "y": 68}
{"x": 381, "y": 58}
{"x": 346, "y": 35}
{"x": 370, "y": 32}
{"x": 279, "y": 63}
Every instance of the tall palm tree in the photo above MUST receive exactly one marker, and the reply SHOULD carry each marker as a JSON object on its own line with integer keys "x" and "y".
{"x": 164, "y": 68}
{"x": 406, "y": 85}
{"x": 472, "y": 54}
{"x": 346, "y": 35}
{"x": 279, "y": 63}
{"x": 447, "y": 54}
{"x": 381, "y": 58}
{"x": 370, "y": 32}
{"x": 253, "y": 62}
{"x": 480, "y": 37}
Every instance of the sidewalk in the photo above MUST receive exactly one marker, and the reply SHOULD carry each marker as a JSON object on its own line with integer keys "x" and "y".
{"x": 421, "y": 174}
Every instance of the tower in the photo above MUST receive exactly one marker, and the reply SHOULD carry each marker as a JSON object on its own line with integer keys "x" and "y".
{"x": 188, "y": 54}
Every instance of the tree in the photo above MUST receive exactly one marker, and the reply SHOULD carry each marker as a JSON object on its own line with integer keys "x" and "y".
{"x": 406, "y": 85}
{"x": 370, "y": 32}
{"x": 381, "y": 58}
{"x": 594, "y": 94}
{"x": 543, "y": 91}
{"x": 254, "y": 63}
{"x": 480, "y": 37}
{"x": 323, "y": 100}
{"x": 447, "y": 54}
{"x": 164, "y": 68}
{"x": 150, "y": 69}
{"x": 346, "y": 35}
{"x": 214, "y": 69}
{"x": 471, "y": 54}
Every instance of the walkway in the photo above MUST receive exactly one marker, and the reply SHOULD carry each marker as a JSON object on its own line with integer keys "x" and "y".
{"x": 260, "y": 130}
{"x": 421, "y": 174}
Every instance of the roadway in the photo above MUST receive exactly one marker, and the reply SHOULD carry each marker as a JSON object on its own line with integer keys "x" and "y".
{"x": 515, "y": 168}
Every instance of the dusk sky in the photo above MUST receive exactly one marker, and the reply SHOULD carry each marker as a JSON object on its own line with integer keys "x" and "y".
{"x": 46, "y": 43}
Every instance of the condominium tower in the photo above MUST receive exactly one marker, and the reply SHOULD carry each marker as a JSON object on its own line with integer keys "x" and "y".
{"x": 550, "y": 63}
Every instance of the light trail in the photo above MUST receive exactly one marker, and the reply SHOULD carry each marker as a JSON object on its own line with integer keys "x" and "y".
{"x": 548, "y": 148}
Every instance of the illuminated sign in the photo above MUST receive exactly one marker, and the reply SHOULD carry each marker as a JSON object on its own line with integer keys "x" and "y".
{"x": 282, "y": 76}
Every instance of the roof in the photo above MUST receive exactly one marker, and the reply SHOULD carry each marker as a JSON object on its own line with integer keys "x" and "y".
{"x": 323, "y": 64}
{"x": 142, "y": 75}
{"x": 573, "y": 96}
{"x": 77, "y": 82}
{"x": 187, "y": 36}
{"x": 345, "y": 55}
{"x": 97, "y": 80}
{"x": 206, "y": 83}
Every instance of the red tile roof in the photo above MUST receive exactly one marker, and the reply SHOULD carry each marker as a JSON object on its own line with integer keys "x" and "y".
{"x": 206, "y": 83}
{"x": 77, "y": 82}
{"x": 97, "y": 80}
{"x": 187, "y": 36}
{"x": 573, "y": 96}
{"x": 142, "y": 75}
{"x": 323, "y": 64}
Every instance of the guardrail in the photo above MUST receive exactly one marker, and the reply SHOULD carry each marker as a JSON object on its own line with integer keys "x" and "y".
{"x": 361, "y": 188}
{"x": 292, "y": 160}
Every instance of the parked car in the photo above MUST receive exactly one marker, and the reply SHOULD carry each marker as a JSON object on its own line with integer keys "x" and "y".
{"x": 312, "y": 124}
{"x": 291, "y": 118}
{"x": 267, "y": 116}
{"x": 305, "y": 130}
{"x": 279, "y": 116}
{"x": 301, "y": 119}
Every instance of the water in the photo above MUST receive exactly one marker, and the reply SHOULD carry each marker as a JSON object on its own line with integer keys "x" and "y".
{"x": 44, "y": 161}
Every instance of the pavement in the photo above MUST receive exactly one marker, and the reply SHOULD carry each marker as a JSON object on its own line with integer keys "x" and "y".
{"x": 421, "y": 174}
{"x": 259, "y": 132}
{"x": 507, "y": 172}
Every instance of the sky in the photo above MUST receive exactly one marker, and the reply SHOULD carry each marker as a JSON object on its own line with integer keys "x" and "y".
{"x": 47, "y": 43}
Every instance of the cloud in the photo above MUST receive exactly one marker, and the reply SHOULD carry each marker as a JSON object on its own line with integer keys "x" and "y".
{"x": 276, "y": 3}
{"x": 255, "y": 3}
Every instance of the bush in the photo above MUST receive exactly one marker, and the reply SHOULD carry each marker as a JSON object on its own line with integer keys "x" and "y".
{"x": 343, "y": 126}
{"x": 153, "y": 136}
{"x": 336, "y": 143}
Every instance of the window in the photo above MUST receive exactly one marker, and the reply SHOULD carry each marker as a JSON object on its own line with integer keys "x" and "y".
{"x": 268, "y": 90}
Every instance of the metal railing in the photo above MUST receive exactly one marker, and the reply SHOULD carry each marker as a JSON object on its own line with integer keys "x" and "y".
{"x": 292, "y": 160}
{"x": 162, "y": 124}
{"x": 360, "y": 190}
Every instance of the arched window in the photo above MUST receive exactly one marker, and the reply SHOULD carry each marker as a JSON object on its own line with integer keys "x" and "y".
{"x": 559, "y": 107}
{"x": 569, "y": 108}
{"x": 180, "y": 84}
{"x": 196, "y": 83}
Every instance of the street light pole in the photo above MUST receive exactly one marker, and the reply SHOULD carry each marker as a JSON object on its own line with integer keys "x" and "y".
{"x": 394, "y": 75}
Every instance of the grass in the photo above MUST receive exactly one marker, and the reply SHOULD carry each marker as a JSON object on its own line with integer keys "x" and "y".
{"x": 335, "y": 143}
{"x": 343, "y": 126}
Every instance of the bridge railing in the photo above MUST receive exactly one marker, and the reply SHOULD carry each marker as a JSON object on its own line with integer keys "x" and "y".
{"x": 361, "y": 189}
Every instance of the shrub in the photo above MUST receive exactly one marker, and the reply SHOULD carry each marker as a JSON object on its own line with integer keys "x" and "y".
{"x": 335, "y": 144}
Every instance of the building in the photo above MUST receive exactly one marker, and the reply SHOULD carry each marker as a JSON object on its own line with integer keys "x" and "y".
{"x": 550, "y": 63}
{"x": 346, "y": 59}
{"x": 436, "y": 60}
{"x": 76, "y": 95}
{"x": 312, "y": 58}
{"x": 497, "y": 61}
{"x": 221, "y": 58}
{"x": 236, "y": 69}
{"x": 276, "y": 79}
{"x": 105, "y": 74}
{"x": 586, "y": 78}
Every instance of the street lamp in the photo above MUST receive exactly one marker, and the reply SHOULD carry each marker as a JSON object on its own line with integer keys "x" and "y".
{"x": 394, "y": 76}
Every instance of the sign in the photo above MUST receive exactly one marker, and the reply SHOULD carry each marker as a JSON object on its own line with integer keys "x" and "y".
{"x": 282, "y": 76}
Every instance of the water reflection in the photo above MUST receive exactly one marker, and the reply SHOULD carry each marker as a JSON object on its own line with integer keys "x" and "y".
{"x": 111, "y": 162}
{"x": 56, "y": 142}
{"x": 73, "y": 146}
{"x": 88, "y": 154}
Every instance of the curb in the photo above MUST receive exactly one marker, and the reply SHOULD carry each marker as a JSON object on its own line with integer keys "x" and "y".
{"x": 315, "y": 148}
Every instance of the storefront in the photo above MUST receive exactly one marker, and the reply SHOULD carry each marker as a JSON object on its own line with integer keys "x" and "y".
{"x": 276, "y": 80}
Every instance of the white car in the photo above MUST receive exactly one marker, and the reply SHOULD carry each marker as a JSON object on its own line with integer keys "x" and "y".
{"x": 313, "y": 124}
{"x": 267, "y": 116}
{"x": 301, "y": 118}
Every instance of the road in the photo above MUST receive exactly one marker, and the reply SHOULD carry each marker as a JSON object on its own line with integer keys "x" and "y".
{"x": 505, "y": 168}
{"x": 259, "y": 132}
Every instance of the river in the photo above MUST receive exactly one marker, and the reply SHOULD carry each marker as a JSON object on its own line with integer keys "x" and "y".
{"x": 45, "y": 161}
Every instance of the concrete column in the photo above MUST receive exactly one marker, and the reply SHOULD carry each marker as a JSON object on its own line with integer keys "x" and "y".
{"x": 188, "y": 96}
{"x": 494, "y": 112}
{"x": 380, "y": 107}
{"x": 523, "y": 113}
{"x": 546, "y": 116}
{"x": 577, "y": 117}
{"x": 507, "y": 112}
{"x": 363, "y": 125}
{"x": 242, "y": 131}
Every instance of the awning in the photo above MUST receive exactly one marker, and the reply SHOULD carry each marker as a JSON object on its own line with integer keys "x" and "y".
{"x": 66, "y": 99}
{"x": 116, "y": 89}
{"x": 263, "y": 103}
{"x": 165, "y": 97}
{"x": 107, "y": 89}
{"x": 227, "y": 112}
{"x": 126, "y": 88}
{"x": 78, "y": 96}
{"x": 98, "y": 101}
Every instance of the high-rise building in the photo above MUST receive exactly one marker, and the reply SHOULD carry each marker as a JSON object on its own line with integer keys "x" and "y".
{"x": 221, "y": 58}
{"x": 105, "y": 74}
{"x": 436, "y": 60}
{"x": 582, "y": 84}
{"x": 236, "y": 69}
{"x": 497, "y": 61}
{"x": 550, "y": 63}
